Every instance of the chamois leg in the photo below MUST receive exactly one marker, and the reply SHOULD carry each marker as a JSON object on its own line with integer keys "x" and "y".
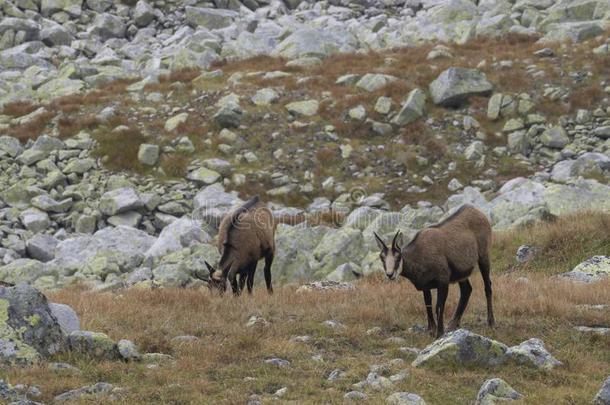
{"x": 441, "y": 297}
{"x": 465, "y": 290}
{"x": 484, "y": 267}
{"x": 242, "y": 281}
{"x": 428, "y": 302}
{"x": 251, "y": 271}
{"x": 268, "y": 262}
{"x": 234, "y": 284}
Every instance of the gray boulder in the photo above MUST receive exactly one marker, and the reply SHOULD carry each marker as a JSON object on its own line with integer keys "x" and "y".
{"x": 603, "y": 396}
{"x": 128, "y": 243}
{"x": 10, "y": 145}
{"x": 28, "y": 330}
{"x": 143, "y": 14}
{"x": 35, "y": 220}
{"x": 66, "y": 317}
{"x": 532, "y": 353}
{"x": 555, "y": 137}
{"x": 95, "y": 392}
{"x": 404, "y": 398}
{"x": 413, "y": 108}
{"x": 209, "y": 18}
{"x": 591, "y": 270}
{"x": 453, "y": 87}
{"x": 212, "y": 203}
{"x": 179, "y": 234}
{"x": 107, "y": 26}
{"x": 54, "y": 34}
{"x": 496, "y": 391}
{"x": 310, "y": 42}
{"x": 42, "y": 247}
{"x": 29, "y": 27}
{"x": 338, "y": 246}
{"x": 93, "y": 344}
{"x": 462, "y": 347}
{"x": 293, "y": 247}
{"x": 519, "y": 199}
{"x": 50, "y": 7}
{"x": 120, "y": 200}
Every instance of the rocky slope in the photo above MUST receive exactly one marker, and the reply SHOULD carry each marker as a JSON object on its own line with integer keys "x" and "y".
{"x": 97, "y": 115}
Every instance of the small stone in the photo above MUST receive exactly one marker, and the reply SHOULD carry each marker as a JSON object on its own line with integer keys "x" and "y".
{"x": 495, "y": 391}
{"x": 148, "y": 154}
{"x": 525, "y": 253}
{"x": 174, "y": 122}
{"x": 307, "y": 108}
{"x": 127, "y": 350}
{"x": 404, "y": 398}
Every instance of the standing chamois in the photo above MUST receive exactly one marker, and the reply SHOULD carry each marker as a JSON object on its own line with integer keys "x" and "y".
{"x": 245, "y": 236}
{"x": 440, "y": 255}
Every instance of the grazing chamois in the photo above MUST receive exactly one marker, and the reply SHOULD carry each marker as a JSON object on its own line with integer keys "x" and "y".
{"x": 440, "y": 255}
{"x": 245, "y": 236}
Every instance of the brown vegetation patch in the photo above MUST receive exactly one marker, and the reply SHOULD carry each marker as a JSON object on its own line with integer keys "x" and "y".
{"x": 32, "y": 129}
{"x": 120, "y": 148}
{"x": 19, "y": 108}
{"x": 175, "y": 164}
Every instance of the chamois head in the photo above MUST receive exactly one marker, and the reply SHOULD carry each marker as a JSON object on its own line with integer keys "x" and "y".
{"x": 391, "y": 258}
{"x": 218, "y": 281}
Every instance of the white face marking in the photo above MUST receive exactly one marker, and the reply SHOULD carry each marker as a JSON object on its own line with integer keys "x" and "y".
{"x": 392, "y": 267}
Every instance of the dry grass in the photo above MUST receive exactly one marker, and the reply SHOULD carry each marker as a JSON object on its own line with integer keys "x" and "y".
{"x": 120, "y": 149}
{"x": 19, "y": 108}
{"x": 175, "y": 164}
{"x": 213, "y": 370}
{"x": 32, "y": 129}
{"x": 561, "y": 244}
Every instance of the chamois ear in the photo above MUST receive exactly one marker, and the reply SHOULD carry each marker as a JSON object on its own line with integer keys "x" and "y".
{"x": 397, "y": 241}
{"x": 380, "y": 242}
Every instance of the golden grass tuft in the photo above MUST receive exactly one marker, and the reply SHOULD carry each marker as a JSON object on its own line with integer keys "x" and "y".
{"x": 120, "y": 149}
{"x": 19, "y": 108}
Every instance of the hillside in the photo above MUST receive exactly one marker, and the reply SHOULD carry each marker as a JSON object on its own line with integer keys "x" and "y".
{"x": 128, "y": 130}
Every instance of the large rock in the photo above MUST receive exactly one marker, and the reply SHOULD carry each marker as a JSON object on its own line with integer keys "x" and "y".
{"x": 148, "y": 154}
{"x": 143, "y": 14}
{"x": 23, "y": 271}
{"x": 93, "y": 344}
{"x": 580, "y": 195}
{"x": 212, "y": 203}
{"x": 532, "y": 353}
{"x": 10, "y": 145}
{"x": 179, "y": 234}
{"x": 120, "y": 200}
{"x": 310, "y": 42}
{"x": 404, "y": 398}
{"x": 131, "y": 244}
{"x": 42, "y": 247}
{"x": 203, "y": 176}
{"x": 603, "y": 396}
{"x": 100, "y": 392}
{"x": 413, "y": 108}
{"x": 496, "y": 391}
{"x": 209, "y": 18}
{"x": 66, "y": 317}
{"x": 292, "y": 253}
{"x": 185, "y": 267}
{"x": 460, "y": 348}
{"x": 555, "y": 137}
{"x": 518, "y": 201}
{"x": 29, "y": 27}
{"x": 573, "y": 31}
{"x": 307, "y": 108}
{"x": 453, "y": 87}
{"x": 375, "y": 81}
{"x": 591, "y": 270}
{"x": 337, "y": 247}
{"x": 28, "y": 330}
{"x": 54, "y": 34}
{"x": 72, "y": 7}
{"x": 35, "y": 220}
{"x": 107, "y": 26}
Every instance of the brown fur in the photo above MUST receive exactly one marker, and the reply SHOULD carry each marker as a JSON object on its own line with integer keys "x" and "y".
{"x": 443, "y": 254}
{"x": 245, "y": 236}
